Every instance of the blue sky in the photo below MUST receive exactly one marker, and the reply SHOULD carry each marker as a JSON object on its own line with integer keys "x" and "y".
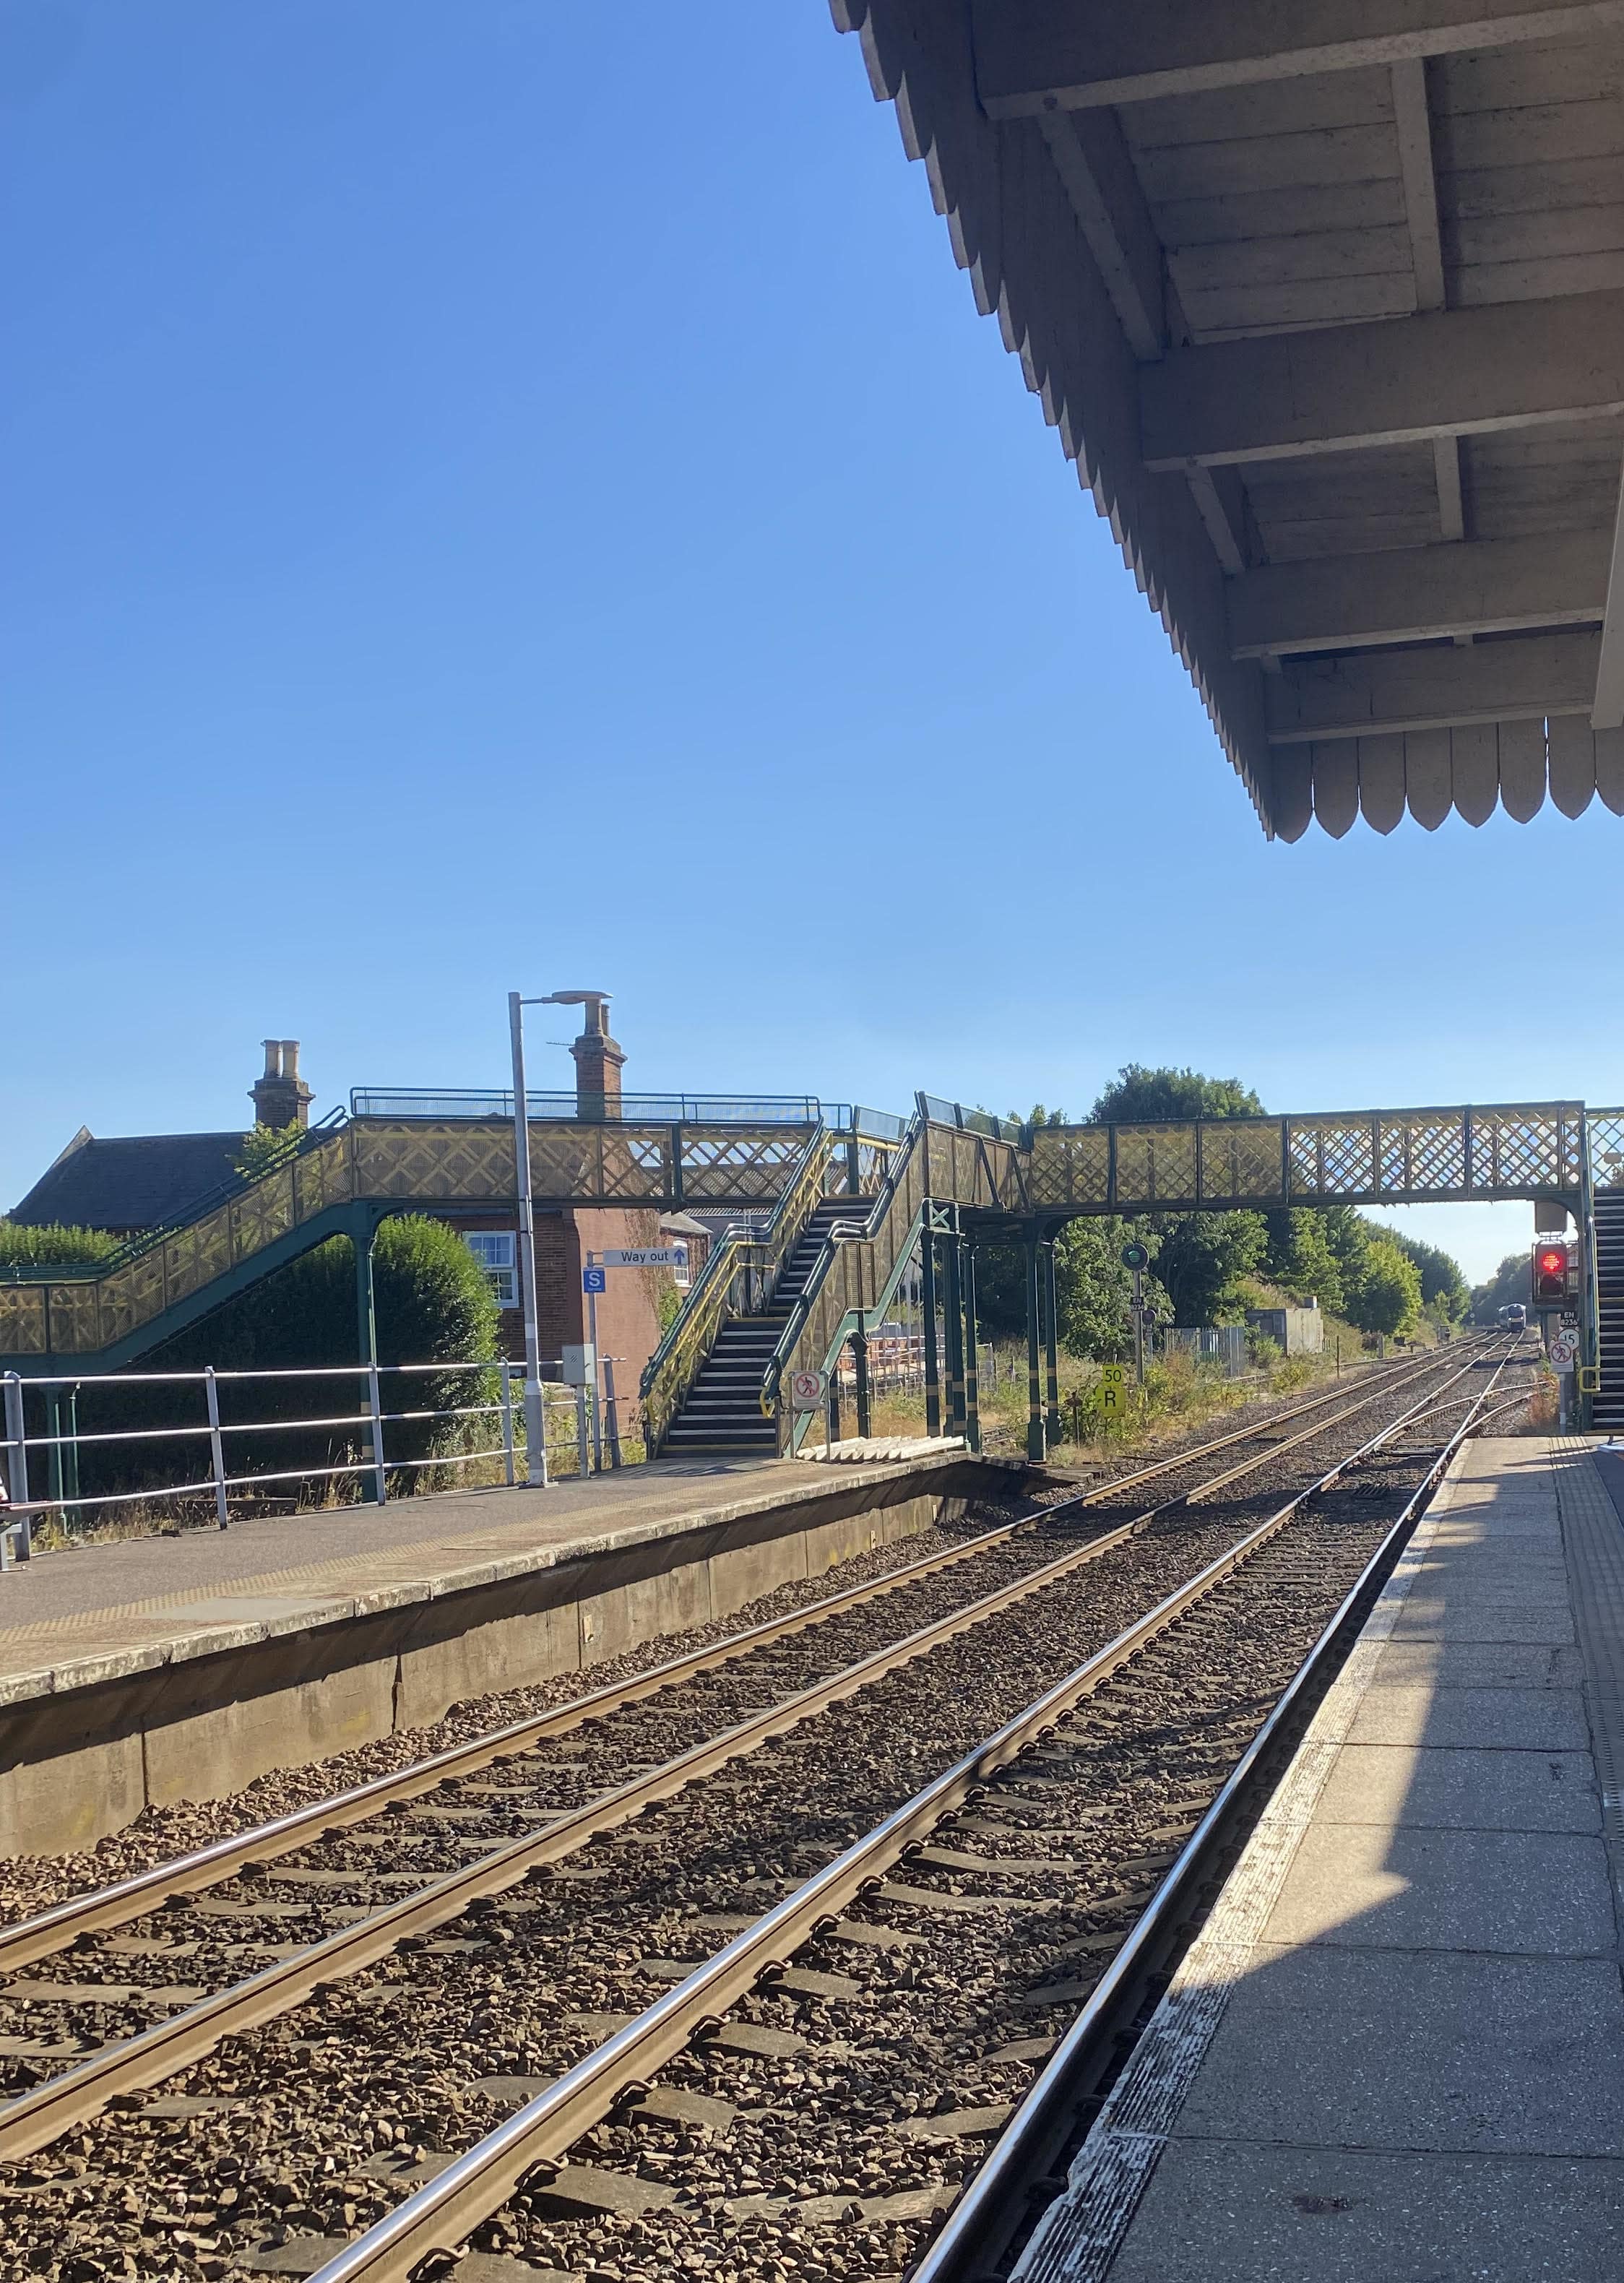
{"x": 507, "y": 495}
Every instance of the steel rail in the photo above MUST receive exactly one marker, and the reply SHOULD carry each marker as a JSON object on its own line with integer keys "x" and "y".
{"x": 35, "y": 2118}
{"x": 438, "y": 2217}
{"x": 999, "y": 2203}
{"x": 1308, "y": 1434}
{"x": 104, "y": 1908}
{"x": 1393, "y": 1375}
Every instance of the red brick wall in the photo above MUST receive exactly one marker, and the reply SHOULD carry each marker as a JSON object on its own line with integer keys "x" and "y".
{"x": 628, "y": 1311}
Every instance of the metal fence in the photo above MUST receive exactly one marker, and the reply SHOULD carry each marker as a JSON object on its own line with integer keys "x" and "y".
{"x": 896, "y": 1362}
{"x": 42, "y": 1470}
{"x": 630, "y": 1109}
{"x": 1225, "y": 1344}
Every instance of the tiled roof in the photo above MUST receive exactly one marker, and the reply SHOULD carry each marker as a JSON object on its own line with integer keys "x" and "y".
{"x": 133, "y": 1181}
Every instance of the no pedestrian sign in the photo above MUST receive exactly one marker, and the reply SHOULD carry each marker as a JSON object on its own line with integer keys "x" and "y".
{"x": 807, "y": 1390}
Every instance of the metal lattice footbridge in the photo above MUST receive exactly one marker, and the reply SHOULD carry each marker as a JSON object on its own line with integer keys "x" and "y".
{"x": 929, "y": 1188}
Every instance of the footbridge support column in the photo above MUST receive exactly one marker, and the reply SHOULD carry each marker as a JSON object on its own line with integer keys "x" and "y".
{"x": 1034, "y": 1347}
{"x": 928, "y": 1315}
{"x": 1051, "y": 1309}
{"x": 859, "y": 1369}
{"x": 972, "y": 1392}
{"x": 954, "y": 1252}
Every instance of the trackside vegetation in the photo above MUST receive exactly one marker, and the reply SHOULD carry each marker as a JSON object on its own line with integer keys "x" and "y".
{"x": 1209, "y": 1268}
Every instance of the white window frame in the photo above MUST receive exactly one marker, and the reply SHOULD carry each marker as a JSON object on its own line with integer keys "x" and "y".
{"x": 496, "y": 1250}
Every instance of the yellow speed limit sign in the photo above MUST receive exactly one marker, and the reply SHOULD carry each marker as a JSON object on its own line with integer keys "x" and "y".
{"x": 1113, "y": 1389}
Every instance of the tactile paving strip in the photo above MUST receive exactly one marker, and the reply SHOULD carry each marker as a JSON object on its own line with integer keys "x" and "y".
{"x": 1593, "y": 1542}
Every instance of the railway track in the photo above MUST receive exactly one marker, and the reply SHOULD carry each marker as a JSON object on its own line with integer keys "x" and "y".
{"x": 117, "y": 1903}
{"x": 906, "y": 2013}
{"x": 484, "y": 1839}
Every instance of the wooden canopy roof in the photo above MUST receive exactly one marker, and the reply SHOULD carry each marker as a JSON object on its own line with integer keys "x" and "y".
{"x": 1326, "y": 304}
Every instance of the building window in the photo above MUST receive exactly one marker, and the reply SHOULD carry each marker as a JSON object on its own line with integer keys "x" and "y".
{"x": 494, "y": 1250}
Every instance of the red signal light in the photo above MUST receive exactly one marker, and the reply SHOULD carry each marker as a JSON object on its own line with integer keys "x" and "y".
{"x": 1551, "y": 1275}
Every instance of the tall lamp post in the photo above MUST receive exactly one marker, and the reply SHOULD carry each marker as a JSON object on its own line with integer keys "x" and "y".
{"x": 535, "y": 1417}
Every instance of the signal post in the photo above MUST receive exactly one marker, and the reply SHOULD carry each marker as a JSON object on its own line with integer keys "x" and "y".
{"x": 1556, "y": 1287}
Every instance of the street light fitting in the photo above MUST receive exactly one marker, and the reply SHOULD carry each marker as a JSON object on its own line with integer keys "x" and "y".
{"x": 572, "y": 999}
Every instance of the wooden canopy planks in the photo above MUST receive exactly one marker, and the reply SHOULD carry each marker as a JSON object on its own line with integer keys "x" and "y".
{"x": 1571, "y": 760}
{"x": 1474, "y": 770}
{"x": 1382, "y": 782}
{"x": 1336, "y": 785}
{"x": 1522, "y": 768}
{"x": 1427, "y": 784}
{"x": 1327, "y": 304}
{"x": 1609, "y": 746}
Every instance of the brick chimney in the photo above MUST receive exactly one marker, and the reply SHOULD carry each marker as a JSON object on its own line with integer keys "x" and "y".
{"x": 598, "y": 1062}
{"x": 281, "y": 1097}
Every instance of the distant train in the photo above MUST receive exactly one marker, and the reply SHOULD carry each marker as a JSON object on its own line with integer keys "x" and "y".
{"x": 1513, "y": 1318}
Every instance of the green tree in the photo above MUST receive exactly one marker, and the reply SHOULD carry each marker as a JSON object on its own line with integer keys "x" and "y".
{"x": 1387, "y": 1296}
{"x": 1444, "y": 1291}
{"x": 1139, "y": 1094}
{"x": 1347, "y": 1234}
{"x": 1204, "y": 1257}
{"x": 1301, "y": 1258}
{"x": 1093, "y": 1289}
{"x": 1512, "y": 1281}
{"x": 266, "y": 1146}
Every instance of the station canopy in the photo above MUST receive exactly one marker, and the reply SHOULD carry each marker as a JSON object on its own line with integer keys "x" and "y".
{"x": 1325, "y": 303}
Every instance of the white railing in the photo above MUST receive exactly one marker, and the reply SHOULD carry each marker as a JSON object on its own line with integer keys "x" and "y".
{"x": 56, "y": 1452}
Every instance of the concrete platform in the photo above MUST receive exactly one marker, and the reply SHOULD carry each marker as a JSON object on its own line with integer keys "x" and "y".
{"x": 1397, "y": 2048}
{"x": 167, "y": 1669}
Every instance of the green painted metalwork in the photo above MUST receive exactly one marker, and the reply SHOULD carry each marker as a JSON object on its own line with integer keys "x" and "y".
{"x": 990, "y": 1170}
{"x": 114, "y": 1308}
{"x": 1368, "y": 1157}
{"x": 1051, "y": 1314}
{"x": 991, "y": 1176}
{"x": 927, "y": 1314}
{"x": 1034, "y": 1352}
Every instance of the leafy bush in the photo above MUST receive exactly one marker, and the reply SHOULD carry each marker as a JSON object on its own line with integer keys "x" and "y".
{"x": 434, "y": 1305}
{"x": 51, "y": 1244}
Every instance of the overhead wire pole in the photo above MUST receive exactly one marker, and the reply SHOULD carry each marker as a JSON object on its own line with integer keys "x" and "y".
{"x": 535, "y": 1417}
